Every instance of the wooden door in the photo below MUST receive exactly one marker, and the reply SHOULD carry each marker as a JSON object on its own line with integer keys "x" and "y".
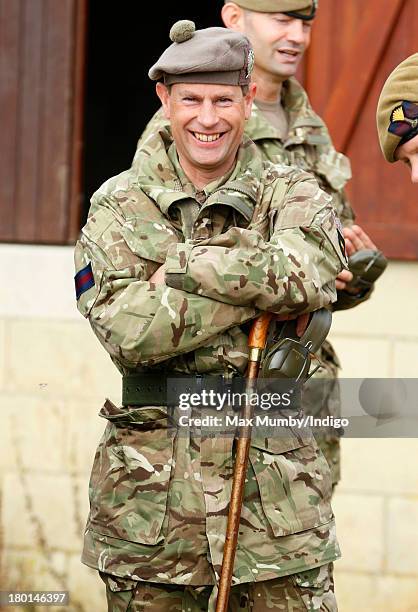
{"x": 41, "y": 96}
{"x": 355, "y": 46}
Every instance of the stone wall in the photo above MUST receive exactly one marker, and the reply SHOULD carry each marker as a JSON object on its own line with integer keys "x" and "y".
{"x": 54, "y": 376}
{"x": 376, "y": 504}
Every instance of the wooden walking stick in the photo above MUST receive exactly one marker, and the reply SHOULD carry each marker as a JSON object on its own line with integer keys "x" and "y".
{"x": 256, "y": 342}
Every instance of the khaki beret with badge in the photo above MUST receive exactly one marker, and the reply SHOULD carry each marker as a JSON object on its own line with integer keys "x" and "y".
{"x": 301, "y": 9}
{"x": 397, "y": 109}
{"x": 212, "y": 55}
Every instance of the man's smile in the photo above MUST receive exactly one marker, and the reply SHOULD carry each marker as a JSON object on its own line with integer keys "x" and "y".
{"x": 289, "y": 54}
{"x": 207, "y": 138}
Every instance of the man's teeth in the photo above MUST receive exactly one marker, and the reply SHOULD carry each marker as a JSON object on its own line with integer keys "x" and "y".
{"x": 206, "y": 137}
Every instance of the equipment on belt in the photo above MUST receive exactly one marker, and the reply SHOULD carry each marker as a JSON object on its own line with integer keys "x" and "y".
{"x": 289, "y": 356}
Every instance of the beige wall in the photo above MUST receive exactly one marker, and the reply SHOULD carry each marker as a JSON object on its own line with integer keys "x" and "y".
{"x": 376, "y": 504}
{"x": 54, "y": 376}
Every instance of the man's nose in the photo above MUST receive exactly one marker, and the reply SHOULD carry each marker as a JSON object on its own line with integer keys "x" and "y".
{"x": 208, "y": 115}
{"x": 296, "y": 33}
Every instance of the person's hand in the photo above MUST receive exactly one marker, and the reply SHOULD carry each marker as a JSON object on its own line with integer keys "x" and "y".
{"x": 302, "y": 321}
{"x": 158, "y": 278}
{"x": 356, "y": 239}
{"x": 344, "y": 277}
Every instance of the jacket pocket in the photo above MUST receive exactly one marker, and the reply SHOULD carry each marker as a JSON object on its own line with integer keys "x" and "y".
{"x": 131, "y": 475}
{"x": 294, "y": 482}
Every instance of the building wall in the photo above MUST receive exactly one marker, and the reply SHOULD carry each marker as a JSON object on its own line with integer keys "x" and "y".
{"x": 54, "y": 376}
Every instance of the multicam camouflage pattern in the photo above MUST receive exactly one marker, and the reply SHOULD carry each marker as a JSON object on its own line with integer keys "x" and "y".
{"x": 312, "y": 590}
{"x": 249, "y": 233}
{"x": 308, "y": 146}
{"x": 159, "y": 508}
{"x": 266, "y": 237}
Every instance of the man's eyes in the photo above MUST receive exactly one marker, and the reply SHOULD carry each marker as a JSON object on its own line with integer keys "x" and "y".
{"x": 191, "y": 100}
{"x": 307, "y": 25}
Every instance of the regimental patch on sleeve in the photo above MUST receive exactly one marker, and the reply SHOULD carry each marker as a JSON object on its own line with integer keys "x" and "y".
{"x": 84, "y": 280}
{"x": 340, "y": 232}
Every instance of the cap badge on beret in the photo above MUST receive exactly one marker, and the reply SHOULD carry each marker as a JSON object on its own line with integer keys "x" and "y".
{"x": 250, "y": 62}
{"x": 404, "y": 119}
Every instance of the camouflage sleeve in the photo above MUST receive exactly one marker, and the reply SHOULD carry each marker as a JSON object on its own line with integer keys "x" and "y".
{"x": 137, "y": 321}
{"x": 342, "y": 205}
{"x": 294, "y": 272}
{"x": 333, "y": 170}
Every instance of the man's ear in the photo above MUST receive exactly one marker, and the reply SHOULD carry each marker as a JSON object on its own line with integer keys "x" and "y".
{"x": 164, "y": 95}
{"x": 249, "y": 99}
{"x": 233, "y": 16}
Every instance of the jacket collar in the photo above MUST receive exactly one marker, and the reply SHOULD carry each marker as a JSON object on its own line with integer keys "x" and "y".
{"x": 164, "y": 181}
{"x": 300, "y": 114}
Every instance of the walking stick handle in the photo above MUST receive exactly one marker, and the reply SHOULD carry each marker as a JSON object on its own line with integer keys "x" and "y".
{"x": 258, "y": 334}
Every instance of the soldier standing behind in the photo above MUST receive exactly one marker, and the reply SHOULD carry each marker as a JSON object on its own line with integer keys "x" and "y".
{"x": 286, "y": 130}
{"x": 397, "y": 116}
{"x": 178, "y": 252}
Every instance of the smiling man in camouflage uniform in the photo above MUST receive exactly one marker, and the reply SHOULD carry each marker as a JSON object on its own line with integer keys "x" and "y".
{"x": 287, "y": 130}
{"x": 177, "y": 254}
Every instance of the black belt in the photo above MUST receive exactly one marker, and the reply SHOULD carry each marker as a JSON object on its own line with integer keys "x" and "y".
{"x": 158, "y": 388}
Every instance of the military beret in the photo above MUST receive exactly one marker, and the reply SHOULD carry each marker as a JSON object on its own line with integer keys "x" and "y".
{"x": 397, "y": 109}
{"x": 212, "y": 55}
{"x": 301, "y": 9}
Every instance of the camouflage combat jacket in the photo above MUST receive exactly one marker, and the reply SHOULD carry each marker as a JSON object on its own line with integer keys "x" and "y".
{"x": 308, "y": 146}
{"x": 262, "y": 238}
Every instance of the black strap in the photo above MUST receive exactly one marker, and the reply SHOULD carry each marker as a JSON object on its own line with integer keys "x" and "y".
{"x": 151, "y": 388}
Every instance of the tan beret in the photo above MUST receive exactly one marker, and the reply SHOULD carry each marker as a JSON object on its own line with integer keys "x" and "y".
{"x": 302, "y": 9}
{"x": 213, "y": 55}
{"x": 397, "y": 115}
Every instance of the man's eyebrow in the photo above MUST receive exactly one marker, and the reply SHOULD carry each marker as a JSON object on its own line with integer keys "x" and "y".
{"x": 216, "y": 96}
{"x": 191, "y": 94}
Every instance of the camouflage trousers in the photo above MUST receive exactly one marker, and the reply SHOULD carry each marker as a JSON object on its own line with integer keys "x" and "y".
{"x": 311, "y": 590}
